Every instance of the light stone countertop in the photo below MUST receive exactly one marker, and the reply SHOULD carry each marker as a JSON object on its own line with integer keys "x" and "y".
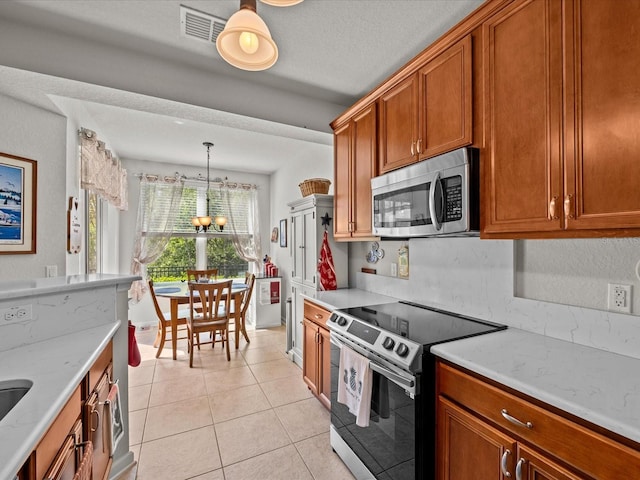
{"x": 347, "y": 297}
{"x": 56, "y": 367}
{"x": 42, "y": 286}
{"x": 598, "y": 386}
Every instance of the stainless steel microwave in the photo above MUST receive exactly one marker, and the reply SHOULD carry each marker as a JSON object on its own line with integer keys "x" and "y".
{"x": 438, "y": 196}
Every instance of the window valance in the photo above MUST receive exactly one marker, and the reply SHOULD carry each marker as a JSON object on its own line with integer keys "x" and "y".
{"x": 100, "y": 171}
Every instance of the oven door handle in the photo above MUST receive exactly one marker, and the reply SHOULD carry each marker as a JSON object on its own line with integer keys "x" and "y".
{"x": 406, "y": 383}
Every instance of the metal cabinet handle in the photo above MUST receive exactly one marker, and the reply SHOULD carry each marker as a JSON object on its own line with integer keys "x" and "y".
{"x": 567, "y": 206}
{"x": 419, "y": 146}
{"x": 97, "y": 424}
{"x": 413, "y": 152}
{"x": 515, "y": 421}
{"x": 503, "y": 463}
{"x": 521, "y": 462}
{"x": 318, "y": 316}
{"x": 552, "y": 208}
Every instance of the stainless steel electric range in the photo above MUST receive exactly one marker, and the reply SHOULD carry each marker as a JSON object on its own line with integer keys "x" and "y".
{"x": 399, "y": 442}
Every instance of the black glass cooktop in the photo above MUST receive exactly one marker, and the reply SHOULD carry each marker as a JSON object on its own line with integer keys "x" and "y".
{"x": 421, "y": 324}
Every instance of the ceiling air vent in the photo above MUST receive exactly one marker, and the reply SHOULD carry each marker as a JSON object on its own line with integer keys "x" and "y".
{"x": 200, "y": 25}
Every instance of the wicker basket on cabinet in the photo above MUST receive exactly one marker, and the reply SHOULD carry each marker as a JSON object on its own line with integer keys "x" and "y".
{"x": 314, "y": 185}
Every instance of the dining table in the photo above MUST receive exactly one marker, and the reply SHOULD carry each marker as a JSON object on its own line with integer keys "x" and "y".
{"x": 179, "y": 295}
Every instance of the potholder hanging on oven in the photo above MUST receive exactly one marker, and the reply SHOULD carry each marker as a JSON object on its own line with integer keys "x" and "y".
{"x": 326, "y": 269}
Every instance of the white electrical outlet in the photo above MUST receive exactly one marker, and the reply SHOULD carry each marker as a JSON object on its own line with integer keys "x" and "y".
{"x": 16, "y": 314}
{"x": 619, "y": 299}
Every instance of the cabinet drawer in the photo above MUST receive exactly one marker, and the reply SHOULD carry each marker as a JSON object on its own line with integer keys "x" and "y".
{"x": 574, "y": 444}
{"x": 316, "y": 314}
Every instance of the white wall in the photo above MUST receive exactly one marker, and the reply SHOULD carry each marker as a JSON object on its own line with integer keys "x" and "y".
{"x": 143, "y": 312}
{"x": 315, "y": 161}
{"x": 30, "y": 132}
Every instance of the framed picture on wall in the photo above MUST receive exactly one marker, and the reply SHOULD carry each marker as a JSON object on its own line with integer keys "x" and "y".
{"x": 18, "y": 182}
{"x": 283, "y": 232}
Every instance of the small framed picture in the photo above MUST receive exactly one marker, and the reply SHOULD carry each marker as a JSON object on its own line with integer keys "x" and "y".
{"x": 274, "y": 235}
{"x": 283, "y": 232}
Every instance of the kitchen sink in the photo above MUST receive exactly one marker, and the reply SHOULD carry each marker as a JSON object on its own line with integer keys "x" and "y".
{"x": 11, "y": 392}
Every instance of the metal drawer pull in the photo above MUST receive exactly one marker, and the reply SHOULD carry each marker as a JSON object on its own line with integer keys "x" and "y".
{"x": 503, "y": 463}
{"x": 552, "y": 209}
{"x": 521, "y": 462}
{"x": 318, "y": 316}
{"x": 515, "y": 421}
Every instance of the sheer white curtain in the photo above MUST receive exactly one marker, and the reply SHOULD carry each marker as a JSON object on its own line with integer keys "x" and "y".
{"x": 158, "y": 208}
{"x": 244, "y": 223}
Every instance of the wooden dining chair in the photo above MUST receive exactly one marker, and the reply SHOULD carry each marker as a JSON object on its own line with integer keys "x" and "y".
{"x": 214, "y": 317}
{"x": 164, "y": 322}
{"x": 198, "y": 275}
{"x": 249, "y": 280}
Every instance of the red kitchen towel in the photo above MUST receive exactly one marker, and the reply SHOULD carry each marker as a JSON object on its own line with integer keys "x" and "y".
{"x": 325, "y": 266}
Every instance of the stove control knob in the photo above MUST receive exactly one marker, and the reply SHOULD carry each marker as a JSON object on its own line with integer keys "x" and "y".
{"x": 342, "y": 321}
{"x": 388, "y": 343}
{"x": 402, "y": 350}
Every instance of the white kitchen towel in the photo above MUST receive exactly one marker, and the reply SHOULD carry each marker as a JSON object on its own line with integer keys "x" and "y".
{"x": 354, "y": 384}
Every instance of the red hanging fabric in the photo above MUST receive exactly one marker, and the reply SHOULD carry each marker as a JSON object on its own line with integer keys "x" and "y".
{"x": 326, "y": 268}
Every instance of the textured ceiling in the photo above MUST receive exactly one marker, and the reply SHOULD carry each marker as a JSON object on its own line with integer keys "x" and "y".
{"x": 330, "y": 51}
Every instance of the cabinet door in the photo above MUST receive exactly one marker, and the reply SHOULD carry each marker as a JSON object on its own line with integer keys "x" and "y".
{"x": 469, "y": 448}
{"x": 531, "y": 465}
{"x": 363, "y": 170}
{"x": 297, "y": 247}
{"x": 310, "y": 249}
{"x": 523, "y": 86}
{"x": 603, "y": 119}
{"x": 324, "y": 366}
{"x": 342, "y": 182}
{"x": 310, "y": 356}
{"x": 445, "y": 101}
{"x": 398, "y": 125}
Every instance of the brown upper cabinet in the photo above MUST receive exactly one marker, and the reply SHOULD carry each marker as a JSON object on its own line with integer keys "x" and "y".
{"x": 429, "y": 112}
{"x": 354, "y": 166}
{"x": 562, "y": 103}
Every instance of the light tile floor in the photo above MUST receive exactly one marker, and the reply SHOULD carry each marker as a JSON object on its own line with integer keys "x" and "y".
{"x": 250, "y": 418}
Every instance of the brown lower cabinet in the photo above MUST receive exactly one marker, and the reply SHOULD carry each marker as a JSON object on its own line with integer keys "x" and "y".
{"x": 316, "y": 363}
{"x": 487, "y": 432}
{"x": 59, "y": 452}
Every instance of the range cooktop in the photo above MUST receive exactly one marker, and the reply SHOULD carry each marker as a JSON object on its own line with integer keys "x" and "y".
{"x": 401, "y": 331}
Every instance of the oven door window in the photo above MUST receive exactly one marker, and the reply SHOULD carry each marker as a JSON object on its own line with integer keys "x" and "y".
{"x": 407, "y": 207}
{"x": 388, "y": 445}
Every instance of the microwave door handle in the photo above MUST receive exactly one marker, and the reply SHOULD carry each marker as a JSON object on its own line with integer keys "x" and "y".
{"x": 432, "y": 202}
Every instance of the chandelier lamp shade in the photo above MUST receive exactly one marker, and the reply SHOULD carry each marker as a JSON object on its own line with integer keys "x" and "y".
{"x": 203, "y": 223}
{"x": 246, "y": 41}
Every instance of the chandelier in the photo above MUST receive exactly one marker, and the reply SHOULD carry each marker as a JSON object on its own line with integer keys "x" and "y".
{"x": 203, "y": 223}
{"x": 246, "y": 42}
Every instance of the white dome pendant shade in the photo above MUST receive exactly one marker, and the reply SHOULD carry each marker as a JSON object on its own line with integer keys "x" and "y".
{"x": 246, "y": 42}
{"x": 281, "y": 3}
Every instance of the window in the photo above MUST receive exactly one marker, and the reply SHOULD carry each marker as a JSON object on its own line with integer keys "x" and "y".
{"x": 93, "y": 233}
{"x": 186, "y": 247}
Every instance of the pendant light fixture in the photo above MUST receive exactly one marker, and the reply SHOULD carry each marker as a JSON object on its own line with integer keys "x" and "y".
{"x": 281, "y": 3}
{"x": 246, "y": 42}
{"x": 203, "y": 223}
